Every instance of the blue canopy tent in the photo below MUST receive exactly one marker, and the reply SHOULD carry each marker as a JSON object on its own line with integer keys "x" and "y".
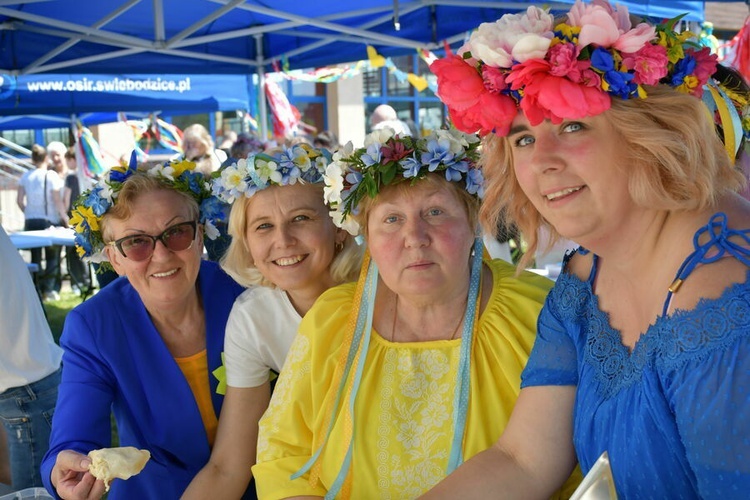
{"x": 243, "y": 36}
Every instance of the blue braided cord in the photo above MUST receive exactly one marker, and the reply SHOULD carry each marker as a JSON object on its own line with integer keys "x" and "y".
{"x": 461, "y": 396}
{"x": 720, "y": 234}
{"x": 369, "y": 292}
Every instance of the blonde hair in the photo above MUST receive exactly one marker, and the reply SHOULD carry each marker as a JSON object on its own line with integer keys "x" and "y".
{"x": 675, "y": 160}
{"x": 469, "y": 201}
{"x": 137, "y": 185}
{"x": 238, "y": 261}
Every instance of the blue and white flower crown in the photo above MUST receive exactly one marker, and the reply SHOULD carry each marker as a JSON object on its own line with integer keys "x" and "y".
{"x": 388, "y": 159}
{"x": 300, "y": 163}
{"x": 91, "y": 206}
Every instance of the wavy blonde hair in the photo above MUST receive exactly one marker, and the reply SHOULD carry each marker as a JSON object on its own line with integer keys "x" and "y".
{"x": 676, "y": 161}
{"x": 238, "y": 262}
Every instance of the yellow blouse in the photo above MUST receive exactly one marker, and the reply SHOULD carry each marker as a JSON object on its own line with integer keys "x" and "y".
{"x": 403, "y": 410}
{"x": 195, "y": 369}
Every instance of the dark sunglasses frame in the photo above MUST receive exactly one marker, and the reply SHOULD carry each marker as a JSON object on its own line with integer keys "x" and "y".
{"x": 160, "y": 237}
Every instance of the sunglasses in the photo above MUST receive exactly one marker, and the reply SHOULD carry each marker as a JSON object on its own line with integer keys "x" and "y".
{"x": 140, "y": 247}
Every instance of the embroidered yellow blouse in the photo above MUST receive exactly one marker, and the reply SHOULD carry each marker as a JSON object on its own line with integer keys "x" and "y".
{"x": 403, "y": 411}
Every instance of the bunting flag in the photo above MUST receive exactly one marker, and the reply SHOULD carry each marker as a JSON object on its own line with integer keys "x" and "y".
{"x": 374, "y": 61}
{"x": 87, "y": 149}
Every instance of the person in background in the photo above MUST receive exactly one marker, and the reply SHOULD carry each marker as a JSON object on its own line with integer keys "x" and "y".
{"x": 29, "y": 369}
{"x": 78, "y": 270}
{"x": 198, "y": 147}
{"x": 286, "y": 249}
{"x": 384, "y": 116}
{"x": 393, "y": 380}
{"x": 229, "y": 138}
{"x": 147, "y": 347}
{"x": 40, "y": 198}
{"x": 327, "y": 139}
{"x": 56, "y": 158}
{"x": 643, "y": 345}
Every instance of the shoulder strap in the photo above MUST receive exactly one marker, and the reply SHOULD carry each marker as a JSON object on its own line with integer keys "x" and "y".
{"x": 46, "y": 174}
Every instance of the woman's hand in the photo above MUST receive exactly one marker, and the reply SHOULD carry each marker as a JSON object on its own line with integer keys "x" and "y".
{"x": 71, "y": 477}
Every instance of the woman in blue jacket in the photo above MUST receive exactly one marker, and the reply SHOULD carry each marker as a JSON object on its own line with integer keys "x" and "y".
{"x": 148, "y": 347}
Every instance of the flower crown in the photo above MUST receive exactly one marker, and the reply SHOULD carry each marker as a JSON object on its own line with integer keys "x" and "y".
{"x": 388, "y": 159}
{"x": 91, "y": 206}
{"x": 301, "y": 163}
{"x": 567, "y": 71}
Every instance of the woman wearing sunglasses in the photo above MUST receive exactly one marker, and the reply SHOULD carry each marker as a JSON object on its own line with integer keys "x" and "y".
{"x": 146, "y": 347}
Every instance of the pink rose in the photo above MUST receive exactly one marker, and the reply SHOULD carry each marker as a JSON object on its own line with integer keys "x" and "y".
{"x": 598, "y": 28}
{"x": 636, "y": 38}
{"x": 459, "y": 85}
{"x": 563, "y": 60}
{"x": 705, "y": 65}
{"x": 494, "y": 79}
{"x": 493, "y": 113}
{"x": 649, "y": 64}
{"x": 557, "y": 98}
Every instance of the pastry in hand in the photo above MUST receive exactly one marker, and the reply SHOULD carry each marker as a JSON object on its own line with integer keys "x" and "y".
{"x": 122, "y": 463}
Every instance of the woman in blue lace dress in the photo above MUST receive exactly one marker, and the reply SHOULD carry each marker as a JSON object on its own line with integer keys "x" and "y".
{"x": 596, "y": 130}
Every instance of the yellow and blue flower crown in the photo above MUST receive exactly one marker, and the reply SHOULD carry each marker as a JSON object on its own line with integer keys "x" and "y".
{"x": 91, "y": 206}
{"x": 388, "y": 159}
{"x": 300, "y": 163}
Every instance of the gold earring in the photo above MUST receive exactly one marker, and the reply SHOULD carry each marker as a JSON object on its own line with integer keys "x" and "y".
{"x": 339, "y": 246}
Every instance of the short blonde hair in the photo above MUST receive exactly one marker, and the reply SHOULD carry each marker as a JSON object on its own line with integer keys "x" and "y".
{"x": 469, "y": 201}
{"x": 676, "y": 161}
{"x": 238, "y": 262}
{"x": 135, "y": 186}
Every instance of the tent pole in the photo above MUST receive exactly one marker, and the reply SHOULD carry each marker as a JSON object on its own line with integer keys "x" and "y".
{"x": 262, "y": 107}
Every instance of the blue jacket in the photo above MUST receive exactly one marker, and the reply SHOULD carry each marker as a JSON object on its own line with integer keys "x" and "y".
{"x": 116, "y": 361}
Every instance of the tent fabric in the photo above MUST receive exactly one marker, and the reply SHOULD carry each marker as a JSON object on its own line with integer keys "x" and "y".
{"x": 59, "y": 93}
{"x": 245, "y": 36}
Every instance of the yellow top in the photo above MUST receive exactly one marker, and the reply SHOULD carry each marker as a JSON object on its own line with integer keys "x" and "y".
{"x": 403, "y": 411}
{"x": 195, "y": 369}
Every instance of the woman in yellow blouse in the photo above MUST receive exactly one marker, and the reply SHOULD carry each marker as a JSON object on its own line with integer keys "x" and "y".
{"x": 394, "y": 380}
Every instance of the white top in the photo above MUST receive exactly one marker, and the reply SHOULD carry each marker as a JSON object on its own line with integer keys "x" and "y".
{"x": 260, "y": 331}
{"x": 27, "y": 351}
{"x": 33, "y": 185}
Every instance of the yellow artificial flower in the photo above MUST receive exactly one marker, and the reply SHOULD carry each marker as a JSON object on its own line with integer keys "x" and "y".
{"x": 83, "y": 214}
{"x": 180, "y": 166}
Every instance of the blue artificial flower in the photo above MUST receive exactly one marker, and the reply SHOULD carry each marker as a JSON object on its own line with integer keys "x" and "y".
{"x": 98, "y": 204}
{"x": 82, "y": 240}
{"x": 683, "y": 68}
{"x": 213, "y": 209}
{"x": 194, "y": 179}
{"x": 289, "y": 173}
{"x": 602, "y": 60}
{"x": 411, "y": 166}
{"x": 438, "y": 152}
{"x": 372, "y": 155}
{"x": 454, "y": 170}
{"x": 116, "y": 176}
{"x": 475, "y": 182}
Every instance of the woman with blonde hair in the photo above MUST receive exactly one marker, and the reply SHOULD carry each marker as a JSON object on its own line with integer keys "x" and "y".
{"x": 287, "y": 250}
{"x": 642, "y": 358}
{"x": 198, "y": 147}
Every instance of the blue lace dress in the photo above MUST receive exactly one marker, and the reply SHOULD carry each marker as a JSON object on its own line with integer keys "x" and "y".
{"x": 673, "y": 415}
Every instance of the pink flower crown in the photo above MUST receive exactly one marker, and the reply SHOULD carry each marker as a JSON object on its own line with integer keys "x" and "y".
{"x": 567, "y": 71}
